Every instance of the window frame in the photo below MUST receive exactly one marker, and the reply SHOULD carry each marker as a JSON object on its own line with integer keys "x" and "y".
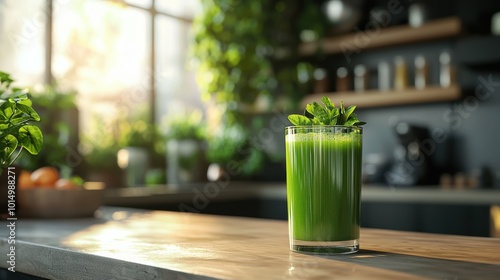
{"x": 153, "y": 12}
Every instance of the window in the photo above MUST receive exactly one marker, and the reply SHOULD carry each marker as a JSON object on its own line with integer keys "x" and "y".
{"x": 22, "y": 43}
{"x": 117, "y": 54}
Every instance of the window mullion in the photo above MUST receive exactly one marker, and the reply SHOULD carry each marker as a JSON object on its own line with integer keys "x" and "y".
{"x": 152, "y": 92}
{"x": 48, "y": 77}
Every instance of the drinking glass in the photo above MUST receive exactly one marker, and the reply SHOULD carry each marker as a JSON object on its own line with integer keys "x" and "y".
{"x": 323, "y": 177}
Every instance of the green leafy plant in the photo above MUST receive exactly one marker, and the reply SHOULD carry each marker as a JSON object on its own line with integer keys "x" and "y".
{"x": 138, "y": 133}
{"x": 248, "y": 60}
{"x": 145, "y": 135}
{"x": 185, "y": 139}
{"x": 99, "y": 145}
{"x": 326, "y": 114}
{"x": 58, "y": 109}
{"x": 224, "y": 143}
{"x": 250, "y": 49}
{"x": 231, "y": 144}
{"x": 53, "y": 97}
{"x": 190, "y": 126}
{"x": 16, "y": 116}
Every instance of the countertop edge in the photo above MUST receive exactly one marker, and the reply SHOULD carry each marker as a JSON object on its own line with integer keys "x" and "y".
{"x": 55, "y": 261}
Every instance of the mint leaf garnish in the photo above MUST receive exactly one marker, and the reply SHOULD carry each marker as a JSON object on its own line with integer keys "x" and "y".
{"x": 326, "y": 114}
{"x": 299, "y": 120}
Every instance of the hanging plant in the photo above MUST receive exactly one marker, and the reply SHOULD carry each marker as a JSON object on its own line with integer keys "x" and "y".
{"x": 247, "y": 52}
{"x": 248, "y": 49}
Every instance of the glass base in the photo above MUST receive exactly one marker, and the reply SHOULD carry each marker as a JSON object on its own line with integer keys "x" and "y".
{"x": 325, "y": 247}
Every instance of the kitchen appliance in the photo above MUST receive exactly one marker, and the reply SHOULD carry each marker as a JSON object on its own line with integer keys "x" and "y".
{"x": 412, "y": 164}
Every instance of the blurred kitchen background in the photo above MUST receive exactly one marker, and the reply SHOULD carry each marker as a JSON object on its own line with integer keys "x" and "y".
{"x": 164, "y": 96}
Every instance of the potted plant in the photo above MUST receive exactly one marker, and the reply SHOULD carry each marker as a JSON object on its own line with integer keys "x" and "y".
{"x": 248, "y": 63}
{"x": 99, "y": 148}
{"x": 121, "y": 150}
{"x": 58, "y": 109}
{"x": 229, "y": 151}
{"x": 16, "y": 115}
{"x": 185, "y": 143}
{"x": 138, "y": 147}
{"x": 16, "y": 134}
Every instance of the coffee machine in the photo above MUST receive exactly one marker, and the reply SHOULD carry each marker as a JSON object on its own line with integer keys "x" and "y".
{"x": 412, "y": 165}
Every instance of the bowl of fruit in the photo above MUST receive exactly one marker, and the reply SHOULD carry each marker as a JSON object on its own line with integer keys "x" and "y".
{"x": 44, "y": 194}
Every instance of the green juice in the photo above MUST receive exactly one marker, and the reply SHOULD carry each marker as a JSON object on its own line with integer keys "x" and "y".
{"x": 323, "y": 169}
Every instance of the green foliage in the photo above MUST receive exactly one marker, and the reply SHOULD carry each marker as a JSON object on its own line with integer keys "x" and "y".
{"x": 245, "y": 49}
{"x": 53, "y": 97}
{"x": 138, "y": 133}
{"x": 230, "y": 144}
{"x": 190, "y": 126}
{"x": 223, "y": 145}
{"x": 326, "y": 114}
{"x": 57, "y": 108}
{"x": 155, "y": 176}
{"x": 16, "y": 116}
{"x": 100, "y": 145}
{"x": 129, "y": 128}
{"x": 227, "y": 52}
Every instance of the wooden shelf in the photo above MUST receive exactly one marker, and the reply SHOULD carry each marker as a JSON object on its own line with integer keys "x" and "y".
{"x": 375, "y": 98}
{"x": 390, "y": 36}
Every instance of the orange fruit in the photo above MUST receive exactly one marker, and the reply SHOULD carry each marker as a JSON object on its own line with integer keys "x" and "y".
{"x": 65, "y": 184}
{"x": 46, "y": 176}
{"x": 24, "y": 180}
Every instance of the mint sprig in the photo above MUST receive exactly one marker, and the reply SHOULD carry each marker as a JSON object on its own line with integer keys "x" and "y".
{"x": 326, "y": 114}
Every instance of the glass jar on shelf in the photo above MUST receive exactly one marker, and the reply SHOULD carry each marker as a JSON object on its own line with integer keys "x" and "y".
{"x": 421, "y": 72}
{"x": 360, "y": 78}
{"x": 343, "y": 82}
{"x": 446, "y": 70}
{"x": 384, "y": 76}
{"x": 321, "y": 84}
{"x": 400, "y": 73}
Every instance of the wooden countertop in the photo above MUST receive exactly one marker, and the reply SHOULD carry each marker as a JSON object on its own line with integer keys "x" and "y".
{"x": 123, "y": 243}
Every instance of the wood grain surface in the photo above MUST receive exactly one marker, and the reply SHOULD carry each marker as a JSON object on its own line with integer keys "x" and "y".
{"x": 387, "y": 36}
{"x": 123, "y": 243}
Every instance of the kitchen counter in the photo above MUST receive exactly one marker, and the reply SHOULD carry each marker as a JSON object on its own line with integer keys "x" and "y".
{"x": 144, "y": 196}
{"x": 122, "y": 243}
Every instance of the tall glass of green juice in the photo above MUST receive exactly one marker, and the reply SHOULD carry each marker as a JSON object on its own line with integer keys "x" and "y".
{"x": 323, "y": 175}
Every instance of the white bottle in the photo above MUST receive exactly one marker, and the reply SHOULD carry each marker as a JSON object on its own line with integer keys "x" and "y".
{"x": 421, "y": 70}
{"x": 384, "y": 76}
{"x": 360, "y": 78}
{"x": 446, "y": 72}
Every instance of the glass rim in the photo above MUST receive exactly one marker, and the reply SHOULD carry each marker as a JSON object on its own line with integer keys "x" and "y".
{"x": 323, "y": 126}
{"x": 323, "y": 129}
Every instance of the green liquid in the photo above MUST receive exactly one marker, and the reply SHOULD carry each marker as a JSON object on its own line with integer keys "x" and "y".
{"x": 323, "y": 185}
